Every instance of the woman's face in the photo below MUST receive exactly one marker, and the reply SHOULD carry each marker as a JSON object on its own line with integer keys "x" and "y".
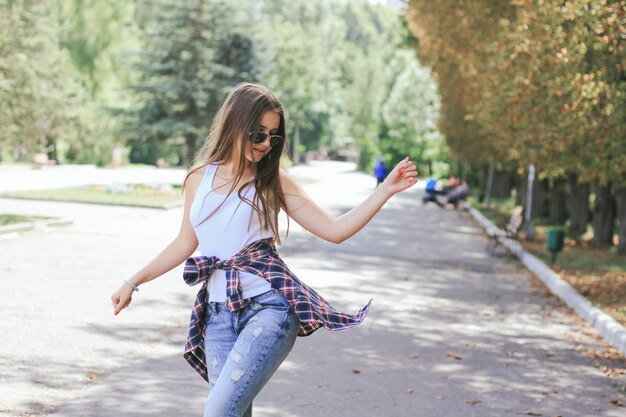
{"x": 270, "y": 123}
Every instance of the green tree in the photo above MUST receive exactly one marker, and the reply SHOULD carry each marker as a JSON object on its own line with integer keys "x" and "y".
{"x": 372, "y": 37}
{"x": 93, "y": 32}
{"x": 534, "y": 82}
{"x": 39, "y": 88}
{"x": 294, "y": 75}
{"x": 411, "y": 119}
{"x": 192, "y": 54}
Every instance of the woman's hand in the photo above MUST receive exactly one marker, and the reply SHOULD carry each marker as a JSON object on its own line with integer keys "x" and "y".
{"x": 301, "y": 208}
{"x": 403, "y": 176}
{"x": 122, "y": 298}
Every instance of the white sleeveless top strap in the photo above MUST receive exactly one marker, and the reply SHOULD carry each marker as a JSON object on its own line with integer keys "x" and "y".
{"x": 226, "y": 232}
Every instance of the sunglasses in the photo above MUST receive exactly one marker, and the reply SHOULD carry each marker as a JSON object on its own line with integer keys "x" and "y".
{"x": 260, "y": 137}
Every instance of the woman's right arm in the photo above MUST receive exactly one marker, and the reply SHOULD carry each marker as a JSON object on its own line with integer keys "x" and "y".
{"x": 181, "y": 248}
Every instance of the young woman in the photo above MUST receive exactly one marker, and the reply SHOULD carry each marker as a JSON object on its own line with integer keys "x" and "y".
{"x": 250, "y": 307}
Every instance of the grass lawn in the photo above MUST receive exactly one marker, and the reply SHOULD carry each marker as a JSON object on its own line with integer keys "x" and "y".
{"x": 7, "y": 219}
{"x": 599, "y": 274}
{"x": 132, "y": 195}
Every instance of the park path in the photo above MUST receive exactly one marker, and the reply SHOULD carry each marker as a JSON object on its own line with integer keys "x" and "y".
{"x": 452, "y": 332}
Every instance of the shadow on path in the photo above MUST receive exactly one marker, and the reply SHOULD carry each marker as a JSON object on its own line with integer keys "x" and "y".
{"x": 451, "y": 332}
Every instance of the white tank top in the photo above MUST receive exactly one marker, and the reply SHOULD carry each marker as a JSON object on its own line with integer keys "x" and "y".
{"x": 226, "y": 232}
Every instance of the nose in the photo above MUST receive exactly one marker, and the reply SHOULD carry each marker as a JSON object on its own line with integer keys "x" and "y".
{"x": 267, "y": 142}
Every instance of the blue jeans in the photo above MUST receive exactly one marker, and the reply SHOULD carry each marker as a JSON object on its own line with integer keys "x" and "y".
{"x": 243, "y": 350}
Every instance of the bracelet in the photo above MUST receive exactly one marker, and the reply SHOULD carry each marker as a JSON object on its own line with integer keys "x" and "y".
{"x": 129, "y": 282}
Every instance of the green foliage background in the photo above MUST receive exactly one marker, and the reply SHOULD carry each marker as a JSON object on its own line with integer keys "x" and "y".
{"x": 506, "y": 84}
{"x": 149, "y": 75}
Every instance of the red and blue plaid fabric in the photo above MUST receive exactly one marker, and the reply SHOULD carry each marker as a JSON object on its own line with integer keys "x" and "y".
{"x": 262, "y": 259}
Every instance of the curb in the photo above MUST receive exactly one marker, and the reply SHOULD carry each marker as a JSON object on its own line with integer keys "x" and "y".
{"x": 166, "y": 206}
{"x": 608, "y": 327}
{"x": 27, "y": 226}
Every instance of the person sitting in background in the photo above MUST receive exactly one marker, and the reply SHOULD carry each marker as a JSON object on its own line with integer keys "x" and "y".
{"x": 452, "y": 183}
{"x": 432, "y": 190}
{"x": 458, "y": 194}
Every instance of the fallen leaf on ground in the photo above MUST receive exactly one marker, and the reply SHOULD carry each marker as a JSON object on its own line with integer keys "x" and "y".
{"x": 473, "y": 402}
{"x": 454, "y": 356}
{"x": 602, "y": 288}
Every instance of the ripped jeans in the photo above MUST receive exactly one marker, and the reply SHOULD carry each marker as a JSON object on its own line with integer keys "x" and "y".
{"x": 243, "y": 350}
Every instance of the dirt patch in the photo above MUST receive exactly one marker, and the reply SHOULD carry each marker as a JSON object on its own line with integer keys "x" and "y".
{"x": 605, "y": 289}
{"x": 596, "y": 273}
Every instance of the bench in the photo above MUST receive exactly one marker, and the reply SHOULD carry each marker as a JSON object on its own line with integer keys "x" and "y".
{"x": 507, "y": 231}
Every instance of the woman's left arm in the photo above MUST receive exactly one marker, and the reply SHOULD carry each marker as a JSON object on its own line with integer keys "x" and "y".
{"x": 304, "y": 211}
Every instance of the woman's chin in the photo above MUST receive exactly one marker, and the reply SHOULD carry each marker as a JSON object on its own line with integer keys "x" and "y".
{"x": 253, "y": 159}
{"x": 259, "y": 155}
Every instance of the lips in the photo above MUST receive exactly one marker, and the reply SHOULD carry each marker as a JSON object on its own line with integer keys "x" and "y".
{"x": 260, "y": 153}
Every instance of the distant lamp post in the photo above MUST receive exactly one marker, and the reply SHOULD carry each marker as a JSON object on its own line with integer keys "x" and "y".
{"x": 530, "y": 228}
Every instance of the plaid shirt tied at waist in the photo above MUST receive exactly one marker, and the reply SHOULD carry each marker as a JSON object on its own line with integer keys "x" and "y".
{"x": 262, "y": 259}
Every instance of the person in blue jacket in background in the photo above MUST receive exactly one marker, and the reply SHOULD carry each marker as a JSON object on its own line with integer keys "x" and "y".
{"x": 432, "y": 190}
{"x": 380, "y": 170}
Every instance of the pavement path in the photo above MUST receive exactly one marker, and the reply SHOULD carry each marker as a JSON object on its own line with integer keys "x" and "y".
{"x": 451, "y": 332}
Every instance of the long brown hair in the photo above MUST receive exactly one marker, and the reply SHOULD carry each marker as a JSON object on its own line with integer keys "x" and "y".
{"x": 240, "y": 114}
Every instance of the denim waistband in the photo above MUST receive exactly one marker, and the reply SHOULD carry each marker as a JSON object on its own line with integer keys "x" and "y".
{"x": 217, "y": 306}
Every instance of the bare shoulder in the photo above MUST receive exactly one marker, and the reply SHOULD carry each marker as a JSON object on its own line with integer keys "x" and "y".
{"x": 287, "y": 181}
{"x": 194, "y": 178}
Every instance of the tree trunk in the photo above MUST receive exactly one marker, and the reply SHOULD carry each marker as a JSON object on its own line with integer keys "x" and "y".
{"x": 190, "y": 142}
{"x": 520, "y": 195}
{"x": 463, "y": 170}
{"x": 481, "y": 182}
{"x": 51, "y": 149}
{"x": 558, "y": 211}
{"x": 578, "y": 207}
{"x": 603, "y": 220}
{"x": 501, "y": 184}
{"x": 540, "y": 207}
{"x": 296, "y": 142}
{"x": 489, "y": 186}
{"x": 620, "y": 200}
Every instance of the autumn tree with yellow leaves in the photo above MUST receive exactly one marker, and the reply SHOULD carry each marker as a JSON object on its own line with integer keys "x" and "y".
{"x": 536, "y": 81}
